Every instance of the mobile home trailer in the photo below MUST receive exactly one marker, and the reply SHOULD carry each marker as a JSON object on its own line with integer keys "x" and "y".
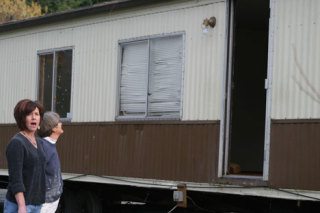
{"x": 221, "y": 96}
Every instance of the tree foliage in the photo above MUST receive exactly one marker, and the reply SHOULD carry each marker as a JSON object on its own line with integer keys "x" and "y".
{"x": 18, "y": 9}
{"x": 21, "y": 9}
{"x": 52, "y": 6}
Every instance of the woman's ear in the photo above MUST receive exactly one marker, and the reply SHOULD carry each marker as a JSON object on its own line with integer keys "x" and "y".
{"x": 54, "y": 129}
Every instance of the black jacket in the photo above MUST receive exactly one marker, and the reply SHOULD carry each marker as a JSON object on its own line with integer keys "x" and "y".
{"x": 26, "y": 165}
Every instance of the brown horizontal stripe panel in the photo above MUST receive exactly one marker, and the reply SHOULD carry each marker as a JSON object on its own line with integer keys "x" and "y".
{"x": 185, "y": 152}
{"x": 295, "y": 155}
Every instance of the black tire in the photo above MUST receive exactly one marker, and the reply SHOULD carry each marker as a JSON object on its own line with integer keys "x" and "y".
{"x": 80, "y": 201}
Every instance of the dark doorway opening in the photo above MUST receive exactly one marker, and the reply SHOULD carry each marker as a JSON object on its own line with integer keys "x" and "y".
{"x": 246, "y": 87}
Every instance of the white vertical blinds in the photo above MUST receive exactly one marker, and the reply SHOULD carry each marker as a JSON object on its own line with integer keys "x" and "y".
{"x": 165, "y": 76}
{"x": 150, "y": 82}
{"x": 134, "y": 76}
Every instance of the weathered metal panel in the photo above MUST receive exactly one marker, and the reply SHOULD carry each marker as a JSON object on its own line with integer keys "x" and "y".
{"x": 185, "y": 152}
{"x": 6, "y": 132}
{"x": 295, "y": 83}
{"x": 95, "y": 72}
{"x": 18, "y": 79}
{"x": 294, "y": 155}
{"x": 180, "y": 151}
{"x": 177, "y": 151}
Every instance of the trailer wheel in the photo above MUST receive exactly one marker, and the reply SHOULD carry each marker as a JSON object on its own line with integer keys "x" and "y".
{"x": 80, "y": 201}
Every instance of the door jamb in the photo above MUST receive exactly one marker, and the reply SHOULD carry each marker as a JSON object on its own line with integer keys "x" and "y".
{"x": 225, "y": 104}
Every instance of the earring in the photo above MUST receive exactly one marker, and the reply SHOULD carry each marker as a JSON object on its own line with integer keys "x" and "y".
{"x": 38, "y": 127}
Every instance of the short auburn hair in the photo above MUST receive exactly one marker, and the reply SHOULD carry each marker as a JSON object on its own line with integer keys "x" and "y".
{"x": 23, "y": 109}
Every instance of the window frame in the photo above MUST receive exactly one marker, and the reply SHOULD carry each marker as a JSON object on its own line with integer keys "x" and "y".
{"x": 53, "y": 92}
{"x": 147, "y": 39}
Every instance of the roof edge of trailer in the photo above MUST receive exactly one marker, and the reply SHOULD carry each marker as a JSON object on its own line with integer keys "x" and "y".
{"x": 75, "y": 13}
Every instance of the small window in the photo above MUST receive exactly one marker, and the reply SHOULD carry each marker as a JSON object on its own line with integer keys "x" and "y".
{"x": 55, "y": 71}
{"x": 150, "y": 79}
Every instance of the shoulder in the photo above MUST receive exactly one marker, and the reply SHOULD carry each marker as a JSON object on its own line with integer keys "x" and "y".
{"x": 43, "y": 142}
{"x": 16, "y": 144}
{"x": 46, "y": 146}
{"x": 40, "y": 140}
{"x": 17, "y": 140}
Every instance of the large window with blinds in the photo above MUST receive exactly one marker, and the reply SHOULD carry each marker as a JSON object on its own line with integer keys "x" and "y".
{"x": 54, "y": 90}
{"x": 151, "y": 78}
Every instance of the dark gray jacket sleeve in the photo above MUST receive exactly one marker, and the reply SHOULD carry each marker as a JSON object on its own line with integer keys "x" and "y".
{"x": 15, "y": 154}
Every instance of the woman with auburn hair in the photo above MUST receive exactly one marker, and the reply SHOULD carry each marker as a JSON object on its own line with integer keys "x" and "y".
{"x": 26, "y": 162}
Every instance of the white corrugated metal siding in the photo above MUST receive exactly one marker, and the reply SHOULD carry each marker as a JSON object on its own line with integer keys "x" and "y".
{"x": 296, "y": 69}
{"x": 17, "y": 65}
{"x": 95, "y": 56}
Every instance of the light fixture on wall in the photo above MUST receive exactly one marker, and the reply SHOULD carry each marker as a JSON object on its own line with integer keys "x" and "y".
{"x": 208, "y": 23}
